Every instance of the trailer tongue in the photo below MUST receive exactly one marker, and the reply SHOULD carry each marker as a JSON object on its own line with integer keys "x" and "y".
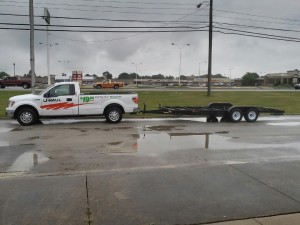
{"x": 226, "y": 111}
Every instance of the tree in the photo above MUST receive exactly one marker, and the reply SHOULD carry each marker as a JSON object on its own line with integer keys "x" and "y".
{"x": 28, "y": 75}
{"x": 249, "y": 79}
{"x": 107, "y": 75}
{"x": 3, "y": 74}
{"x": 128, "y": 76}
{"x": 158, "y": 77}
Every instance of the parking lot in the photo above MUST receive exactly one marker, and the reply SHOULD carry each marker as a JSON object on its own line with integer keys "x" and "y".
{"x": 148, "y": 171}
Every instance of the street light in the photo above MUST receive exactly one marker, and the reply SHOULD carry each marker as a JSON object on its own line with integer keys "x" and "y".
{"x": 230, "y": 69}
{"x": 210, "y": 34}
{"x": 48, "y": 58}
{"x": 14, "y": 69}
{"x": 180, "y": 47}
{"x": 136, "y": 66}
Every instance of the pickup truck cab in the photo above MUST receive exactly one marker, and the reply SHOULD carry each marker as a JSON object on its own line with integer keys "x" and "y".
{"x": 15, "y": 81}
{"x": 65, "y": 100}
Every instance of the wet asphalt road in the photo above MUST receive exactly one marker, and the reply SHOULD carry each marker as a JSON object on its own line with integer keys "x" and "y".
{"x": 179, "y": 171}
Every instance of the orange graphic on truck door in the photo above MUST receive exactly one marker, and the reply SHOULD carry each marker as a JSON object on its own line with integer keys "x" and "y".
{"x": 62, "y": 105}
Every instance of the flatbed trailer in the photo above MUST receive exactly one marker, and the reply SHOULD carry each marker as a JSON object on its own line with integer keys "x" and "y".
{"x": 226, "y": 111}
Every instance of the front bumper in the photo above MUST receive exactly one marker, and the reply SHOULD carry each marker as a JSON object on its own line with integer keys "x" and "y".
{"x": 10, "y": 113}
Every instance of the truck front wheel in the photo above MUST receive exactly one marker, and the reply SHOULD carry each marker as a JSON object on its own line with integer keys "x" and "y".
{"x": 27, "y": 116}
{"x": 113, "y": 115}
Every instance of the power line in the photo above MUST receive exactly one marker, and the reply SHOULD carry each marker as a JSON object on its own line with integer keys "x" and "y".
{"x": 255, "y": 15}
{"x": 107, "y": 11}
{"x": 106, "y": 27}
{"x": 100, "y": 6}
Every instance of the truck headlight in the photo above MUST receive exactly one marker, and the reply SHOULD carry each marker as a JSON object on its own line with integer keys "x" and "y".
{"x": 11, "y": 103}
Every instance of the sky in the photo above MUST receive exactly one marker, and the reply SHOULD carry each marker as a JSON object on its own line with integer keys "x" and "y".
{"x": 249, "y": 36}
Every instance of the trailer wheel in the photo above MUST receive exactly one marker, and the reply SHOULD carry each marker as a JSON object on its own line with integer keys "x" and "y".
{"x": 116, "y": 87}
{"x": 251, "y": 115}
{"x": 98, "y": 86}
{"x": 27, "y": 117}
{"x": 235, "y": 115}
{"x": 113, "y": 115}
{"x": 2, "y": 86}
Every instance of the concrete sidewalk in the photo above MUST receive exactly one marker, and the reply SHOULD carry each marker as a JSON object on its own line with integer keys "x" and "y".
{"x": 290, "y": 219}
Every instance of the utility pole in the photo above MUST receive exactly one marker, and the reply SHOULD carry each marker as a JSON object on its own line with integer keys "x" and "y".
{"x": 32, "y": 61}
{"x": 46, "y": 17}
{"x": 210, "y": 36}
{"x": 210, "y": 48}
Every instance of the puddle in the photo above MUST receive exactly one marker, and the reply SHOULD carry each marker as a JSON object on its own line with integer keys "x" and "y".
{"x": 27, "y": 161}
{"x": 156, "y": 144}
{"x": 4, "y": 143}
{"x": 164, "y": 128}
{"x": 5, "y": 129}
{"x": 287, "y": 124}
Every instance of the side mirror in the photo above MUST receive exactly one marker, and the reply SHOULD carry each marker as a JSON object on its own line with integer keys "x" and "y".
{"x": 47, "y": 95}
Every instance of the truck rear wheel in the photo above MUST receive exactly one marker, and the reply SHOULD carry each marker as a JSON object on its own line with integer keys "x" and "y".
{"x": 113, "y": 115}
{"x": 251, "y": 115}
{"x": 235, "y": 115}
{"x": 27, "y": 116}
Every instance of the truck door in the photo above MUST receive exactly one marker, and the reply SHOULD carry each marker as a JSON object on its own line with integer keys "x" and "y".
{"x": 60, "y": 101}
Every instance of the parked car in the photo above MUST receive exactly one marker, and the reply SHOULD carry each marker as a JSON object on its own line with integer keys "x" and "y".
{"x": 297, "y": 86}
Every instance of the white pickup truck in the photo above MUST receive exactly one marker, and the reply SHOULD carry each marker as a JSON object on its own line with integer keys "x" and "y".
{"x": 65, "y": 99}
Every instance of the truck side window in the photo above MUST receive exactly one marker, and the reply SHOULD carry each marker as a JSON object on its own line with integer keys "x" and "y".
{"x": 61, "y": 90}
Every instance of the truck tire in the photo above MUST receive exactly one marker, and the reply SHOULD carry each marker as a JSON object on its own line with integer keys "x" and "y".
{"x": 2, "y": 86}
{"x": 113, "y": 115}
{"x": 235, "y": 115}
{"x": 116, "y": 87}
{"x": 251, "y": 115}
{"x": 98, "y": 86}
{"x": 27, "y": 116}
{"x": 26, "y": 86}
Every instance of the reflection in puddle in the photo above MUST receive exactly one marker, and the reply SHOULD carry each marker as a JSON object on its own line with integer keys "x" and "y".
{"x": 3, "y": 143}
{"x": 26, "y": 161}
{"x": 5, "y": 129}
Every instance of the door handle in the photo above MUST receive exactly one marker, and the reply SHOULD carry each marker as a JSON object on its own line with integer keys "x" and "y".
{"x": 69, "y": 99}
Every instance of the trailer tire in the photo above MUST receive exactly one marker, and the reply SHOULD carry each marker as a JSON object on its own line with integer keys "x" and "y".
{"x": 116, "y": 87}
{"x": 98, "y": 86}
{"x": 235, "y": 115}
{"x": 27, "y": 116}
{"x": 251, "y": 115}
{"x": 2, "y": 86}
{"x": 113, "y": 115}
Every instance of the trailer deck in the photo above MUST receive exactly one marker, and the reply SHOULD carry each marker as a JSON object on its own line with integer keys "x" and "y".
{"x": 226, "y": 111}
